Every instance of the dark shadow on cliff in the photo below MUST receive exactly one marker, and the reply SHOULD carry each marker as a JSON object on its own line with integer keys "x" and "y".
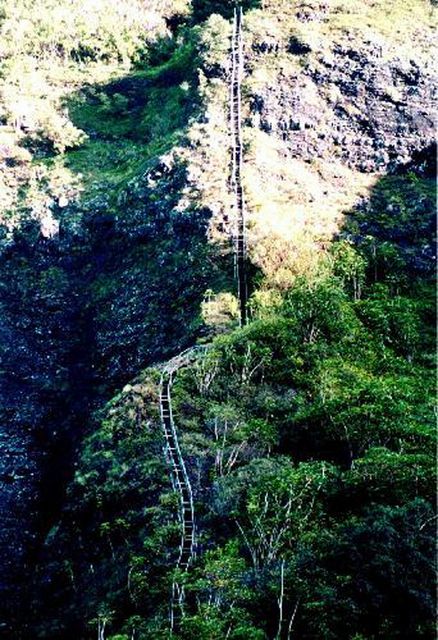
{"x": 46, "y": 391}
{"x": 118, "y": 289}
{"x": 396, "y": 225}
{"x": 202, "y": 9}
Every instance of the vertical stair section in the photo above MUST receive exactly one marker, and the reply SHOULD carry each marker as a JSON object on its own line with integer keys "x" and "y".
{"x": 237, "y": 160}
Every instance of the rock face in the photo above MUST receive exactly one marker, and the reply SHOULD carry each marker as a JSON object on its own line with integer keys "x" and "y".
{"x": 20, "y": 465}
{"x": 81, "y": 313}
{"x": 353, "y": 105}
{"x": 38, "y": 312}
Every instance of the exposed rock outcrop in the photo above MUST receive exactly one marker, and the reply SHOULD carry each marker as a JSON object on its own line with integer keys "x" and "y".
{"x": 351, "y": 104}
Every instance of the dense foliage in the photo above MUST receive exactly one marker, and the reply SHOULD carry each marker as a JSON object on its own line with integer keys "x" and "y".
{"x": 309, "y": 439}
{"x": 308, "y": 434}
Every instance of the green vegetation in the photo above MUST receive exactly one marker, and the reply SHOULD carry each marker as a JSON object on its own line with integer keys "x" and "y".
{"x": 51, "y": 53}
{"x": 309, "y": 433}
{"x": 132, "y": 121}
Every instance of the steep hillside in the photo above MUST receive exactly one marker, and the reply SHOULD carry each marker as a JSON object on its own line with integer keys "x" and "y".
{"x": 308, "y": 434}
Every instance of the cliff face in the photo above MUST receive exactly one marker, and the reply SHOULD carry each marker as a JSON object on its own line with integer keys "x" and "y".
{"x": 336, "y": 97}
{"x": 20, "y": 468}
{"x": 338, "y": 106}
{"x": 351, "y": 104}
{"x": 82, "y": 313}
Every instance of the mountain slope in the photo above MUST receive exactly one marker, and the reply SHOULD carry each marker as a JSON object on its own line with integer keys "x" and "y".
{"x": 307, "y": 434}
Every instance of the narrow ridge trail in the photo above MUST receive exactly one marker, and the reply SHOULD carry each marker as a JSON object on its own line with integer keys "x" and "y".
{"x": 180, "y": 479}
{"x": 237, "y": 161}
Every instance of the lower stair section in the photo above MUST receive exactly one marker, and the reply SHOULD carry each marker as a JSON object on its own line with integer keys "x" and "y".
{"x": 181, "y": 483}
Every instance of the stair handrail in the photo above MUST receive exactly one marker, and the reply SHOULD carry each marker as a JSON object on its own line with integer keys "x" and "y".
{"x": 180, "y": 479}
{"x": 184, "y": 472}
{"x": 237, "y": 159}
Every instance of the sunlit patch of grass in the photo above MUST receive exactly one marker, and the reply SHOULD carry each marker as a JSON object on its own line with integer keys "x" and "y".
{"x": 294, "y": 208}
{"x": 398, "y": 22}
{"x": 104, "y": 164}
{"x": 132, "y": 120}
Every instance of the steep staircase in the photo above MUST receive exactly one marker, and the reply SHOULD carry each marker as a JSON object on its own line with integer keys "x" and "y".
{"x": 180, "y": 480}
{"x": 179, "y": 476}
{"x": 237, "y": 160}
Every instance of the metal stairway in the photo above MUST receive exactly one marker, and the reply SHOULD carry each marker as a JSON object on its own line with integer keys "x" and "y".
{"x": 180, "y": 480}
{"x": 237, "y": 159}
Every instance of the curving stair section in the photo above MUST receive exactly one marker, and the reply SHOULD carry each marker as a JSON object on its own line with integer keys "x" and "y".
{"x": 180, "y": 479}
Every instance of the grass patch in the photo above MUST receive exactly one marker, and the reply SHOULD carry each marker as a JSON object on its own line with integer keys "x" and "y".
{"x": 397, "y": 22}
{"x": 131, "y": 120}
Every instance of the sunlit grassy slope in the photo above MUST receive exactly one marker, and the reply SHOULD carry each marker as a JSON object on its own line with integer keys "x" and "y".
{"x": 48, "y": 67}
{"x": 50, "y": 53}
